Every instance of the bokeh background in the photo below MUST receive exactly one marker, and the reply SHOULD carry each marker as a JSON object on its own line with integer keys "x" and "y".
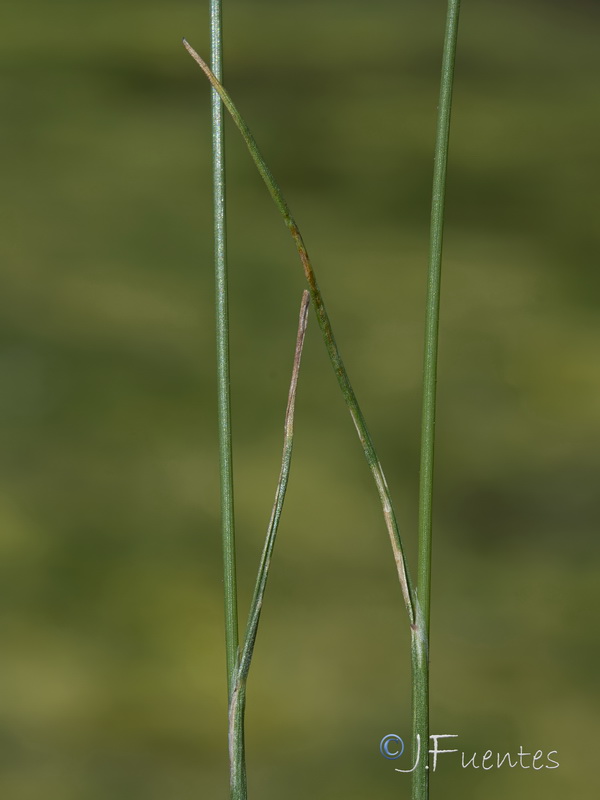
{"x": 112, "y": 669}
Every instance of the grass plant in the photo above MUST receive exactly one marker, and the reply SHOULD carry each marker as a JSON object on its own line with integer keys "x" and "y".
{"x": 416, "y": 597}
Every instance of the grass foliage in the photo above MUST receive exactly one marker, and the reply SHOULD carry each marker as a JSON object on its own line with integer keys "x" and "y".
{"x": 109, "y": 551}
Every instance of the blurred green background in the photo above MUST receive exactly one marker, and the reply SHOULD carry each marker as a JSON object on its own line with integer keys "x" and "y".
{"x": 112, "y": 667}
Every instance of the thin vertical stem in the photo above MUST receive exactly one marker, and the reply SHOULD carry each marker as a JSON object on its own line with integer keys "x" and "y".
{"x": 223, "y": 379}
{"x": 421, "y": 662}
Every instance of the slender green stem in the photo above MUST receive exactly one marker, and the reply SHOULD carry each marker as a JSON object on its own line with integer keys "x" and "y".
{"x": 421, "y": 664}
{"x": 223, "y": 380}
{"x": 433, "y": 309}
{"x": 330, "y": 343}
{"x": 238, "y": 698}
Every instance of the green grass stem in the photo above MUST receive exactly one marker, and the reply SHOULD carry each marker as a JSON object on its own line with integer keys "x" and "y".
{"x": 420, "y": 789}
{"x": 223, "y": 370}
